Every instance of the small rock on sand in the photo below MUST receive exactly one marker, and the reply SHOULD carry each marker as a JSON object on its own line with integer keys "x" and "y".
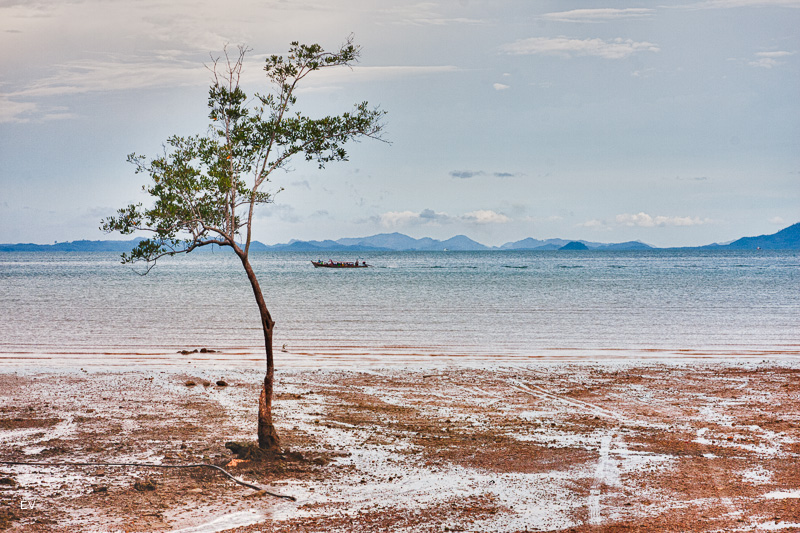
{"x": 144, "y": 485}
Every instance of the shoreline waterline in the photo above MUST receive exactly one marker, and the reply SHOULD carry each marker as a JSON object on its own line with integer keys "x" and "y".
{"x": 359, "y": 359}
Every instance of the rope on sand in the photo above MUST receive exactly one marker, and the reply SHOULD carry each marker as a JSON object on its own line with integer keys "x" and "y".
{"x": 152, "y": 465}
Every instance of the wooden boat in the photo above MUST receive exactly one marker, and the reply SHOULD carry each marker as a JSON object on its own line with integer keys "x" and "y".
{"x": 339, "y": 264}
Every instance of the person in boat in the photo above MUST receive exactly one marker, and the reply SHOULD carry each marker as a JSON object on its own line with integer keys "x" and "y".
{"x": 356, "y": 262}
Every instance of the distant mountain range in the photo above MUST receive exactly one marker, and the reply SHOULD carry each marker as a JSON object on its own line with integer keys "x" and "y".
{"x": 786, "y": 239}
{"x": 400, "y": 242}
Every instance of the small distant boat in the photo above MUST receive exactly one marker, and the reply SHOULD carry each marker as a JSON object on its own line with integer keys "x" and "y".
{"x": 339, "y": 264}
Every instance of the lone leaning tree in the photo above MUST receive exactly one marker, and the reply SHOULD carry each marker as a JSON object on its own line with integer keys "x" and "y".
{"x": 206, "y": 188}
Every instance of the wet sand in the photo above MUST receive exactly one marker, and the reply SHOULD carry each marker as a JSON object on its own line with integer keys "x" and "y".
{"x": 460, "y": 445}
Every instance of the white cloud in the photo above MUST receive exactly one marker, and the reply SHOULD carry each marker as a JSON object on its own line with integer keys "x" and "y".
{"x": 598, "y": 15}
{"x": 429, "y": 215}
{"x": 485, "y": 217}
{"x": 116, "y": 74}
{"x": 643, "y": 220}
{"x": 769, "y": 59}
{"x": 425, "y": 14}
{"x": 646, "y": 221}
{"x": 95, "y": 76}
{"x": 566, "y": 47}
{"x": 593, "y": 223}
{"x": 778, "y": 53}
{"x": 466, "y": 174}
{"x": 394, "y": 219}
{"x": 777, "y": 221}
{"x": 764, "y": 63}
{"x": 500, "y": 86}
{"x": 14, "y": 111}
{"x": 113, "y": 74}
{"x": 644, "y": 73}
{"x": 728, "y": 4}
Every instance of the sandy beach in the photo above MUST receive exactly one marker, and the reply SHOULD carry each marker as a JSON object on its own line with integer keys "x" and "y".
{"x": 456, "y": 446}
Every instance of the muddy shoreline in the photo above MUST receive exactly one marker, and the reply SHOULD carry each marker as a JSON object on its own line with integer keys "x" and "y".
{"x": 546, "y": 446}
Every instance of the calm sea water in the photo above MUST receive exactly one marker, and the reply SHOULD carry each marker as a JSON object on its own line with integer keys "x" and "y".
{"x": 432, "y": 303}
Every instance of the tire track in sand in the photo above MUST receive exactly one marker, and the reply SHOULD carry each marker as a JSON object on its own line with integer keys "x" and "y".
{"x": 605, "y": 469}
{"x": 601, "y": 474}
{"x": 535, "y": 390}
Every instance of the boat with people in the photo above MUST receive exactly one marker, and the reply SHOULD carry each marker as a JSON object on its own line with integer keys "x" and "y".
{"x": 339, "y": 264}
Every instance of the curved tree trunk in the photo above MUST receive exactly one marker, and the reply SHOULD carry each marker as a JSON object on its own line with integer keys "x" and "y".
{"x": 267, "y": 436}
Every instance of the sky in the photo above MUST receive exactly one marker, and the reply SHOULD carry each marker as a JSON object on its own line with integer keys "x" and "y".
{"x": 676, "y": 124}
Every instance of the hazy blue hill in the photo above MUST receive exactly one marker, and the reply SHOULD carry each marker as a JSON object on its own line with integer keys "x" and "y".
{"x": 462, "y": 243}
{"x": 325, "y": 246}
{"x": 557, "y": 244}
{"x": 400, "y": 242}
{"x": 297, "y": 246}
{"x": 73, "y": 246}
{"x": 99, "y": 246}
{"x": 390, "y": 241}
{"x": 320, "y": 244}
{"x": 425, "y": 243}
{"x": 535, "y": 244}
{"x": 574, "y": 245}
{"x": 321, "y": 247}
{"x": 785, "y": 239}
{"x": 630, "y": 245}
{"x": 256, "y": 246}
{"x": 525, "y": 244}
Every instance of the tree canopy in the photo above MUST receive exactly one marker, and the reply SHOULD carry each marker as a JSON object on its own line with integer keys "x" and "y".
{"x": 207, "y": 187}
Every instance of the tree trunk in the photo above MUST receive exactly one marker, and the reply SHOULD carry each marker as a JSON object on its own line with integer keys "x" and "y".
{"x": 267, "y": 436}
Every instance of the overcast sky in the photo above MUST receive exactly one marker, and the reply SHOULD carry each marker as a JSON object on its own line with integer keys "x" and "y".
{"x": 674, "y": 124}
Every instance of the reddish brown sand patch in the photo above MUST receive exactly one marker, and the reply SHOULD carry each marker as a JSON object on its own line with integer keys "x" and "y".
{"x": 541, "y": 447}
